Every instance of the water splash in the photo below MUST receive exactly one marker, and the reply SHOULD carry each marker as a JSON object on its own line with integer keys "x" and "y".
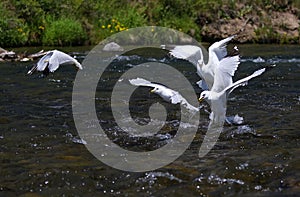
{"x": 272, "y": 60}
{"x": 152, "y": 177}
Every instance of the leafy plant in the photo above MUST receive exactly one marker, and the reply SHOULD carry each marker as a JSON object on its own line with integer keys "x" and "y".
{"x": 13, "y": 31}
{"x": 124, "y": 17}
{"x": 64, "y": 31}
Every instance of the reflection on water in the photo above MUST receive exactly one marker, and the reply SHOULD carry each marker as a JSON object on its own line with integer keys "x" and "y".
{"x": 41, "y": 152}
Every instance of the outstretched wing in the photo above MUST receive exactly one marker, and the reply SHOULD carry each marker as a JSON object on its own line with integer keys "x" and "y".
{"x": 143, "y": 82}
{"x": 224, "y": 72}
{"x": 168, "y": 94}
{"x": 190, "y": 53}
{"x": 220, "y": 47}
{"x": 242, "y": 82}
{"x": 58, "y": 58}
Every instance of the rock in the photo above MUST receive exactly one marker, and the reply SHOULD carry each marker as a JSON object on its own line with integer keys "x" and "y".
{"x": 257, "y": 26}
{"x": 112, "y": 46}
{"x": 8, "y": 55}
{"x": 25, "y": 59}
{"x": 285, "y": 23}
{"x": 220, "y": 30}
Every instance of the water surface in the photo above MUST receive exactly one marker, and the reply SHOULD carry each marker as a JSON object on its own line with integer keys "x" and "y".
{"x": 42, "y": 154}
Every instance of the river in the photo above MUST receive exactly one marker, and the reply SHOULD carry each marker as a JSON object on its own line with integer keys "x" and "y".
{"x": 42, "y": 153}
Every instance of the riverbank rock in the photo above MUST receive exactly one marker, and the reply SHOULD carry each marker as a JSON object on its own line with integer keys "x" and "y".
{"x": 4, "y": 54}
{"x": 262, "y": 27}
{"x": 112, "y": 46}
{"x": 285, "y": 23}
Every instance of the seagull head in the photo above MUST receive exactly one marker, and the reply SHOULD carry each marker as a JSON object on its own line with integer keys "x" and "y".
{"x": 204, "y": 95}
{"x": 155, "y": 90}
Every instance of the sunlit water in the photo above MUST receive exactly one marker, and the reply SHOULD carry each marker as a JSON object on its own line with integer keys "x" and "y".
{"x": 42, "y": 153}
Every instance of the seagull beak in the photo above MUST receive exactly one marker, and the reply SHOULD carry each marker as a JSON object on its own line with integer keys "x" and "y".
{"x": 200, "y": 99}
{"x": 152, "y": 91}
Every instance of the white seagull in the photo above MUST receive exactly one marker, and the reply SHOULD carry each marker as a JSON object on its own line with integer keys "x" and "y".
{"x": 217, "y": 53}
{"x": 217, "y": 74}
{"x": 51, "y": 62}
{"x": 218, "y": 103}
{"x": 165, "y": 93}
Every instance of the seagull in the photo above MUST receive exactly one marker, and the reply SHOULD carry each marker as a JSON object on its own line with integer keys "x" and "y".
{"x": 51, "y": 61}
{"x": 218, "y": 103}
{"x": 217, "y": 53}
{"x": 220, "y": 66}
{"x": 218, "y": 108}
{"x": 167, "y": 94}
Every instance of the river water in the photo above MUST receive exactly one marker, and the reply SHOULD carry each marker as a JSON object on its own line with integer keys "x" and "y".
{"x": 43, "y": 155}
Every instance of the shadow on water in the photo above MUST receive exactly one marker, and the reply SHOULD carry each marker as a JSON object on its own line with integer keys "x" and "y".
{"x": 42, "y": 154}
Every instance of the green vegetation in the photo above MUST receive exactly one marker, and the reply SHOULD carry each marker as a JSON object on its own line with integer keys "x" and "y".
{"x": 77, "y": 22}
{"x": 13, "y": 31}
{"x": 63, "y": 32}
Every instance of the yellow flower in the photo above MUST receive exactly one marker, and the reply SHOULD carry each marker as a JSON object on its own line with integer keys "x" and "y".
{"x": 103, "y": 26}
{"x": 109, "y": 26}
{"x": 122, "y": 28}
{"x": 41, "y": 27}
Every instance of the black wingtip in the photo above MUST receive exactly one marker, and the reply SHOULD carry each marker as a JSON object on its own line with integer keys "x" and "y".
{"x": 32, "y": 70}
{"x": 234, "y": 52}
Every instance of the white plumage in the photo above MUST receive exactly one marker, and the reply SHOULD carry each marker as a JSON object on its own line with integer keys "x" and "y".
{"x": 217, "y": 53}
{"x": 167, "y": 94}
{"x": 52, "y": 60}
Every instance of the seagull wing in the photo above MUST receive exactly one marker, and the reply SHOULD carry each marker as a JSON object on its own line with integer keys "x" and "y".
{"x": 44, "y": 61}
{"x": 194, "y": 55}
{"x": 59, "y": 57}
{"x": 242, "y": 82}
{"x": 190, "y": 53}
{"x": 168, "y": 94}
{"x": 224, "y": 72}
{"x": 219, "y": 48}
{"x": 143, "y": 82}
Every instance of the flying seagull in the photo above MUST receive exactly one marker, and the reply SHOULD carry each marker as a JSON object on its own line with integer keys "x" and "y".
{"x": 167, "y": 94}
{"x": 217, "y": 53}
{"x": 51, "y": 62}
{"x": 220, "y": 66}
{"x": 218, "y": 104}
{"x": 211, "y": 95}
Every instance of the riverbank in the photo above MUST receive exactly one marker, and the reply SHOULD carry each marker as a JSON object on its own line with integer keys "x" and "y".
{"x": 71, "y": 23}
{"x": 259, "y": 26}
